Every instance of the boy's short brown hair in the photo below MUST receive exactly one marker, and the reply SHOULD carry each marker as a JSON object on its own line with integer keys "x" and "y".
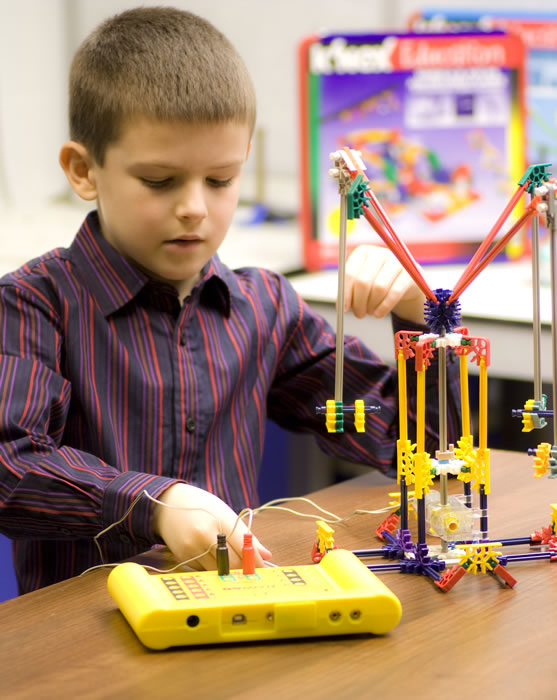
{"x": 155, "y": 62}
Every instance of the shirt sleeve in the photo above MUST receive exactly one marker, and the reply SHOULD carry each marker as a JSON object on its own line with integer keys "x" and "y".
{"x": 306, "y": 379}
{"x": 49, "y": 490}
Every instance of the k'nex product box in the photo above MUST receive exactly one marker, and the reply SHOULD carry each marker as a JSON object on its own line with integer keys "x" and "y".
{"x": 538, "y": 31}
{"x": 438, "y": 119}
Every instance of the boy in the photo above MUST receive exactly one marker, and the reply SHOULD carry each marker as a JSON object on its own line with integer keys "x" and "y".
{"x": 135, "y": 360}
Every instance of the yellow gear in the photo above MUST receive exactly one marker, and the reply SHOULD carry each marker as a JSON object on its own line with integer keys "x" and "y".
{"x": 359, "y": 416}
{"x": 422, "y": 473}
{"x": 405, "y": 461}
{"x": 541, "y": 460}
{"x": 465, "y": 451}
{"x": 478, "y": 557}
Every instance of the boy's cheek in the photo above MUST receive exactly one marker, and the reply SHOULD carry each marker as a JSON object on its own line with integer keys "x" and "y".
{"x": 146, "y": 207}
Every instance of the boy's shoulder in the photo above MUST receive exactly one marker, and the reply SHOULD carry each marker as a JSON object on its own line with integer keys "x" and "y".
{"x": 37, "y": 270}
{"x": 89, "y": 268}
{"x": 37, "y": 282}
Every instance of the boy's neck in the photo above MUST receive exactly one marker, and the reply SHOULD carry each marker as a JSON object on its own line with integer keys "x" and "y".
{"x": 184, "y": 290}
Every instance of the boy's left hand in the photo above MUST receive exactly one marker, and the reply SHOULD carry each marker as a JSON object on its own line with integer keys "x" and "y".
{"x": 376, "y": 283}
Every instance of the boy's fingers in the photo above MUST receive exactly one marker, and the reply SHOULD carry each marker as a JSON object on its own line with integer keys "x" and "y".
{"x": 360, "y": 299}
{"x": 207, "y": 562}
{"x": 348, "y": 287}
{"x": 262, "y": 551}
{"x": 353, "y": 272}
{"x": 265, "y": 553}
{"x": 366, "y": 285}
{"x": 394, "y": 292}
{"x": 387, "y": 291}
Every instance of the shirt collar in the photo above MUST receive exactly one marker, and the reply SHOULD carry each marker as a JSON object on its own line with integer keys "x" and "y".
{"x": 115, "y": 281}
{"x": 220, "y": 285}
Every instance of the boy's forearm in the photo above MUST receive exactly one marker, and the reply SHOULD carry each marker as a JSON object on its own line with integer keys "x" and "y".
{"x": 74, "y": 497}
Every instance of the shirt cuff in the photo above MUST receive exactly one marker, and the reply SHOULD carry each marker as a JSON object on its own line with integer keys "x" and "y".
{"x": 135, "y": 526}
{"x": 400, "y": 324}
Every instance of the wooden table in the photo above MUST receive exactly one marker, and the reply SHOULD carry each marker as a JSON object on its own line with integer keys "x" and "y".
{"x": 480, "y": 639}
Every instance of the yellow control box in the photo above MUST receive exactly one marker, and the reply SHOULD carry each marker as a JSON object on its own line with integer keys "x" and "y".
{"x": 335, "y": 597}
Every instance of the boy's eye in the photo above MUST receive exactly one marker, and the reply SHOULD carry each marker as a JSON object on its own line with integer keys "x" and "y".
{"x": 156, "y": 184}
{"x": 214, "y": 182}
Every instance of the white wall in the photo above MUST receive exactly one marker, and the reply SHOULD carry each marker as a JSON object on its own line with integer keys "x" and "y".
{"x": 38, "y": 37}
{"x": 33, "y": 64}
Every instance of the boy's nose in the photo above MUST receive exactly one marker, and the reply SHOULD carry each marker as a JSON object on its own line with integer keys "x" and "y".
{"x": 191, "y": 203}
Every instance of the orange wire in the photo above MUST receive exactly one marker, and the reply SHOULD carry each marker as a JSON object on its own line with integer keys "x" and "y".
{"x": 404, "y": 259}
{"x": 491, "y": 235}
{"x": 497, "y": 248}
{"x": 395, "y": 244}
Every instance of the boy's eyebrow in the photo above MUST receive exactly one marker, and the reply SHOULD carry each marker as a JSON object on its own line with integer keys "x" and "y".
{"x": 174, "y": 166}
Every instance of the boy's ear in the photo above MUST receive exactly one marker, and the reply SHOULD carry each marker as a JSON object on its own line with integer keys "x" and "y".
{"x": 78, "y": 165}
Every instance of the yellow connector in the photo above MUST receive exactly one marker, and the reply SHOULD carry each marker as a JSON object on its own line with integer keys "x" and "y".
{"x": 325, "y": 536}
{"x": 331, "y": 416}
{"x": 527, "y": 423}
{"x": 359, "y": 416}
{"x": 541, "y": 460}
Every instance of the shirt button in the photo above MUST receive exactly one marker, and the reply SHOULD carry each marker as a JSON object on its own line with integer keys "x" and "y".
{"x": 183, "y": 338}
{"x": 125, "y": 539}
{"x": 190, "y": 425}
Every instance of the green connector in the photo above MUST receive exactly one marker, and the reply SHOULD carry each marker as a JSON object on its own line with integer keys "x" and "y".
{"x": 537, "y": 176}
{"x": 356, "y": 197}
{"x": 339, "y": 417}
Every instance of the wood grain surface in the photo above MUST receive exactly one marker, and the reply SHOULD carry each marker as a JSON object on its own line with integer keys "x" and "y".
{"x": 480, "y": 639}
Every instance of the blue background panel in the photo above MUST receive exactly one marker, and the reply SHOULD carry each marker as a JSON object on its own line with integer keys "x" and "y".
{"x": 8, "y": 587}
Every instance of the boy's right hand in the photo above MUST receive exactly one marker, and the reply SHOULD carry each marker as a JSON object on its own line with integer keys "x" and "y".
{"x": 376, "y": 283}
{"x": 189, "y": 533}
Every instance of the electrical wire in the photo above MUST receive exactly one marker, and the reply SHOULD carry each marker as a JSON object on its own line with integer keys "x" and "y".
{"x": 275, "y": 505}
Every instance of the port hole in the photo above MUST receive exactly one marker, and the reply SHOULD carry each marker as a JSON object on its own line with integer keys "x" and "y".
{"x": 335, "y": 615}
{"x": 239, "y": 619}
{"x": 355, "y": 614}
{"x": 192, "y": 621}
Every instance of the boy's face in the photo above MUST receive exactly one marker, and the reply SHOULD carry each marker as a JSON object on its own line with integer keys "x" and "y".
{"x": 167, "y": 193}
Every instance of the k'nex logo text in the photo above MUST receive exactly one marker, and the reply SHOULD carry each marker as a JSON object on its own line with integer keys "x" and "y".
{"x": 339, "y": 57}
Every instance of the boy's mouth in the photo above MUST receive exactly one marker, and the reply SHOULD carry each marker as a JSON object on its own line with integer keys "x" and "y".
{"x": 181, "y": 243}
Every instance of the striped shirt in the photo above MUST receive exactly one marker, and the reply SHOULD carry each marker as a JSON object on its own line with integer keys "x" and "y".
{"x": 109, "y": 386}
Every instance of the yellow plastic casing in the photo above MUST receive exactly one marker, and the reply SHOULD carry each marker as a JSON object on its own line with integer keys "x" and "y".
{"x": 338, "y": 596}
